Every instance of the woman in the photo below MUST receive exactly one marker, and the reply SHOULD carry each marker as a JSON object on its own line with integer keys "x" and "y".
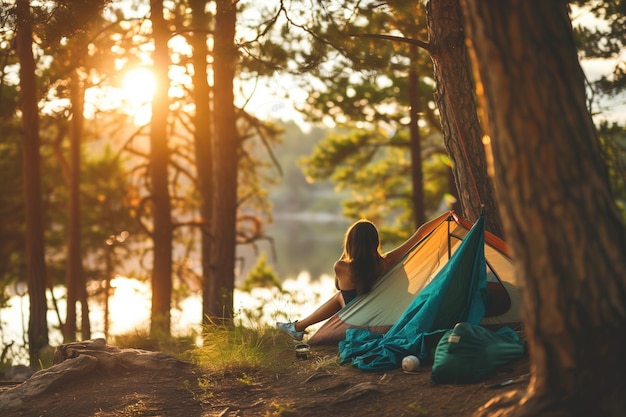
{"x": 355, "y": 272}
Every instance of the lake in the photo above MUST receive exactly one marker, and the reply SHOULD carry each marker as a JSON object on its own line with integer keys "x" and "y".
{"x": 129, "y": 310}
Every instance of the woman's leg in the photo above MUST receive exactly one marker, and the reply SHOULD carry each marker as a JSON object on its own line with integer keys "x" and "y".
{"x": 323, "y": 312}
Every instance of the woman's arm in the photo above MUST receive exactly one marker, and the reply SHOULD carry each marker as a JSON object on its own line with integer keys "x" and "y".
{"x": 394, "y": 255}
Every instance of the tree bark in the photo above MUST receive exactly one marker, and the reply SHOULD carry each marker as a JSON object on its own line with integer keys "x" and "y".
{"x": 563, "y": 226}
{"x": 31, "y": 163}
{"x": 417, "y": 174}
{"x": 162, "y": 232}
{"x": 203, "y": 139}
{"x": 460, "y": 125}
{"x": 226, "y": 147}
{"x": 75, "y": 280}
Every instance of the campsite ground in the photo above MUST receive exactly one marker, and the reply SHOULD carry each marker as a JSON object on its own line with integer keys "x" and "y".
{"x": 317, "y": 386}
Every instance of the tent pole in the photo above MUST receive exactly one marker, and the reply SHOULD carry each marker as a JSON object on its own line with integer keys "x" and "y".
{"x": 449, "y": 239}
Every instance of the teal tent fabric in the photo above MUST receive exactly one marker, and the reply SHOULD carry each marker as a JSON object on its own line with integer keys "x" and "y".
{"x": 454, "y": 295}
{"x": 468, "y": 353}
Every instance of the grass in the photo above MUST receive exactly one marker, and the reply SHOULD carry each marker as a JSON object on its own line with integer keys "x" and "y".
{"x": 223, "y": 347}
{"x": 238, "y": 347}
{"x": 242, "y": 345}
{"x": 281, "y": 410}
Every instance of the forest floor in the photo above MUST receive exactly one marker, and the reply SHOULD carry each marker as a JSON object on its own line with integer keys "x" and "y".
{"x": 316, "y": 386}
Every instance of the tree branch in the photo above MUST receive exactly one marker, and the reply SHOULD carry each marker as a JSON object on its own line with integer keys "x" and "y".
{"x": 424, "y": 45}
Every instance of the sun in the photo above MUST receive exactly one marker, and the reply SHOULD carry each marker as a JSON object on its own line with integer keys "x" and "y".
{"x": 138, "y": 85}
{"x": 137, "y": 89}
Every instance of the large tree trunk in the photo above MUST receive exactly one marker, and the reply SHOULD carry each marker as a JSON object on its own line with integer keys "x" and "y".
{"x": 203, "y": 139}
{"x": 226, "y": 149}
{"x": 460, "y": 125}
{"x": 563, "y": 226}
{"x": 159, "y": 159}
{"x": 35, "y": 254}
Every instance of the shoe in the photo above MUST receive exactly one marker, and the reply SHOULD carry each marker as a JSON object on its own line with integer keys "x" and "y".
{"x": 290, "y": 329}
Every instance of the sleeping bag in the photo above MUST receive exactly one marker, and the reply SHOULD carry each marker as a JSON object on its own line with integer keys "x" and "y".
{"x": 467, "y": 353}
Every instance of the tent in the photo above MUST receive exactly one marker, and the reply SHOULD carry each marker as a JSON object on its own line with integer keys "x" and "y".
{"x": 454, "y": 295}
{"x": 394, "y": 292}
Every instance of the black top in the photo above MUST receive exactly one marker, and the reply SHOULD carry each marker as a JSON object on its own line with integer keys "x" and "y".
{"x": 348, "y": 295}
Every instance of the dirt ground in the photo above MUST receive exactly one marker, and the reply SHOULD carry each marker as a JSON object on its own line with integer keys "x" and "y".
{"x": 316, "y": 386}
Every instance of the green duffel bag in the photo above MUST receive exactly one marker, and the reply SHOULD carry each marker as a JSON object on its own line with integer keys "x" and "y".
{"x": 468, "y": 353}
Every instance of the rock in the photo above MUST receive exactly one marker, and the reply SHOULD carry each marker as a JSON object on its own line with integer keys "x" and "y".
{"x": 42, "y": 381}
{"x": 110, "y": 357}
{"x": 75, "y": 359}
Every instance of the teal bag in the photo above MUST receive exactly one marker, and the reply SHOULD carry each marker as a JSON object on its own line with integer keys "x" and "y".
{"x": 468, "y": 353}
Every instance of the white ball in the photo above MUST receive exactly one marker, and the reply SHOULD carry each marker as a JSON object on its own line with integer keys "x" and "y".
{"x": 410, "y": 363}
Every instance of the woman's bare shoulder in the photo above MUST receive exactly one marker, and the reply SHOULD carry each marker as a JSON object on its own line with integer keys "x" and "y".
{"x": 341, "y": 266}
{"x": 342, "y": 275}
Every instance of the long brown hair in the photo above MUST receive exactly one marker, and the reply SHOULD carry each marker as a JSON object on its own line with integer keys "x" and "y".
{"x": 361, "y": 249}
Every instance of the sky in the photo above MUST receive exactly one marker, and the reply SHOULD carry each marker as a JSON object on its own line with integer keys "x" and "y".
{"x": 277, "y": 97}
